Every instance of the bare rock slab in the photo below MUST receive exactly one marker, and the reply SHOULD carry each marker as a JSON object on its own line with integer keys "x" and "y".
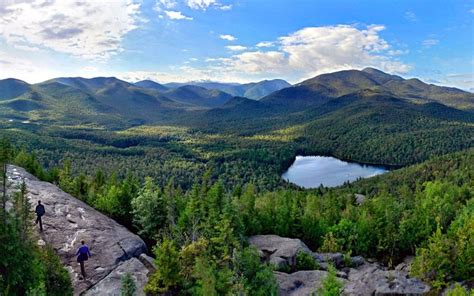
{"x": 108, "y": 286}
{"x": 301, "y": 283}
{"x": 68, "y": 221}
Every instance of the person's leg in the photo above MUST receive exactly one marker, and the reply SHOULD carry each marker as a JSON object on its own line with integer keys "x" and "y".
{"x": 41, "y": 224}
{"x": 37, "y": 218}
{"x": 83, "y": 271}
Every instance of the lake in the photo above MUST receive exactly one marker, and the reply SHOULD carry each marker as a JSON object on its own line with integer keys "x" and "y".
{"x": 314, "y": 171}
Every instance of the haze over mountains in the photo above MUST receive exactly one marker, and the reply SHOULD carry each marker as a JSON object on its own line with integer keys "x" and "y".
{"x": 254, "y": 90}
{"x": 103, "y": 100}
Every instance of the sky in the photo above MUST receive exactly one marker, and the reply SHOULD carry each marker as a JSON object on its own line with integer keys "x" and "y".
{"x": 236, "y": 40}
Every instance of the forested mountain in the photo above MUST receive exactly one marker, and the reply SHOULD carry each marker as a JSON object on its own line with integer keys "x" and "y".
{"x": 254, "y": 90}
{"x": 112, "y": 102}
{"x": 368, "y": 124}
{"x": 151, "y": 84}
{"x": 341, "y": 83}
{"x": 12, "y": 88}
{"x": 198, "y": 96}
{"x": 103, "y": 101}
{"x": 196, "y": 171}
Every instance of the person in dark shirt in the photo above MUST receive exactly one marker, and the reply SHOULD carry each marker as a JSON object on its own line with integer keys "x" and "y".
{"x": 39, "y": 213}
{"x": 83, "y": 254}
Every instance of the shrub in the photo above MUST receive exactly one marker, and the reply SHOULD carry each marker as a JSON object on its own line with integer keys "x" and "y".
{"x": 305, "y": 261}
{"x": 331, "y": 285}
{"x": 128, "y": 288}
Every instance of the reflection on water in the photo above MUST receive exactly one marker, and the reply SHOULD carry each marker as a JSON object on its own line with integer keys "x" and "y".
{"x": 313, "y": 171}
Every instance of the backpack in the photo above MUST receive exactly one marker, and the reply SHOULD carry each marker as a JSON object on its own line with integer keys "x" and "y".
{"x": 40, "y": 210}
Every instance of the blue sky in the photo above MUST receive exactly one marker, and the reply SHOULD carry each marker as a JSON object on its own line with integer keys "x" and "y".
{"x": 236, "y": 40}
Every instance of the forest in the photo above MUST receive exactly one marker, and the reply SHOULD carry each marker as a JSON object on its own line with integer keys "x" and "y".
{"x": 199, "y": 232}
{"x": 195, "y": 183}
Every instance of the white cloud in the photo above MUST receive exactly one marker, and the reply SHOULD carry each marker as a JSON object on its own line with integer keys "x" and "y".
{"x": 471, "y": 11}
{"x": 92, "y": 29}
{"x": 168, "y": 4}
{"x": 397, "y": 52}
{"x": 227, "y": 37}
{"x": 316, "y": 50}
{"x": 461, "y": 80}
{"x": 200, "y": 4}
{"x": 265, "y": 44}
{"x": 236, "y": 47}
{"x": 177, "y": 15}
{"x": 430, "y": 42}
{"x": 259, "y": 62}
{"x": 15, "y": 66}
{"x": 182, "y": 74}
{"x": 225, "y": 7}
{"x": 26, "y": 47}
{"x": 411, "y": 16}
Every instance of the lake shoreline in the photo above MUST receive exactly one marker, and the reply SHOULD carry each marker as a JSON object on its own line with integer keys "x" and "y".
{"x": 310, "y": 172}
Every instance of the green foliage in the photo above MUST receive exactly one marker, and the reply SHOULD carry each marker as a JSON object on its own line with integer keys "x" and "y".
{"x": 149, "y": 209}
{"x": 331, "y": 286}
{"x": 330, "y": 244}
{"x": 128, "y": 286}
{"x": 459, "y": 290}
{"x": 209, "y": 220}
{"x": 256, "y": 278}
{"x": 167, "y": 277}
{"x": 305, "y": 261}
{"x": 448, "y": 256}
{"x": 58, "y": 282}
{"x": 26, "y": 268}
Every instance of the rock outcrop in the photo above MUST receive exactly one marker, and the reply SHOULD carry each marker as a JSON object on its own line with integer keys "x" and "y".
{"x": 300, "y": 283}
{"x": 68, "y": 221}
{"x": 373, "y": 279}
{"x": 358, "y": 276}
{"x": 277, "y": 250}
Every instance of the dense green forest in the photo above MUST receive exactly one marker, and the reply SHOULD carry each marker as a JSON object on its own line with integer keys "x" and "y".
{"x": 25, "y": 267}
{"x": 196, "y": 182}
{"x": 200, "y": 233}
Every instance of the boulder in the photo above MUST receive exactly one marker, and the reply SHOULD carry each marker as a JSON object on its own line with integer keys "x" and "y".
{"x": 277, "y": 250}
{"x": 362, "y": 277}
{"x": 400, "y": 285}
{"x": 405, "y": 265}
{"x": 68, "y": 221}
{"x": 359, "y": 198}
{"x": 108, "y": 286}
{"x": 300, "y": 283}
{"x": 357, "y": 261}
{"x": 373, "y": 279}
{"x": 336, "y": 259}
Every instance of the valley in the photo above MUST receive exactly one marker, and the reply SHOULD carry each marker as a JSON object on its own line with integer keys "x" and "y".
{"x": 191, "y": 168}
{"x": 236, "y": 148}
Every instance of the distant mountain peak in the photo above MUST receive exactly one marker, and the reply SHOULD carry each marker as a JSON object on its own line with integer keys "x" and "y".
{"x": 151, "y": 84}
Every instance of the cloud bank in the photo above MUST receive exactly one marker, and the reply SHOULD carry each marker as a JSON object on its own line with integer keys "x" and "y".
{"x": 315, "y": 50}
{"x": 88, "y": 29}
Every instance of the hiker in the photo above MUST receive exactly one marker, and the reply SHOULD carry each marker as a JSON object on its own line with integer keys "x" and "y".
{"x": 83, "y": 254}
{"x": 39, "y": 213}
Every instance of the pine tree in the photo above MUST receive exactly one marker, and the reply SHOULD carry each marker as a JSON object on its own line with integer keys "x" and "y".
{"x": 5, "y": 157}
{"x": 128, "y": 285}
{"x": 167, "y": 277}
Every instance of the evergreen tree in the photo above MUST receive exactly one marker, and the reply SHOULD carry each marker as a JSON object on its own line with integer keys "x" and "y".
{"x": 128, "y": 286}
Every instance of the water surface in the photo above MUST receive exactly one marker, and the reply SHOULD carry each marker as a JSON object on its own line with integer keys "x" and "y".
{"x": 314, "y": 171}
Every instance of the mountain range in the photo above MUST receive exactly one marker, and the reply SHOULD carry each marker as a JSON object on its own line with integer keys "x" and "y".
{"x": 109, "y": 101}
{"x": 254, "y": 90}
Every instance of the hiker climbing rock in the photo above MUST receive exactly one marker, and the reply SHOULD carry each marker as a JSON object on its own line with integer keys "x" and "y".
{"x": 39, "y": 213}
{"x": 83, "y": 254}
